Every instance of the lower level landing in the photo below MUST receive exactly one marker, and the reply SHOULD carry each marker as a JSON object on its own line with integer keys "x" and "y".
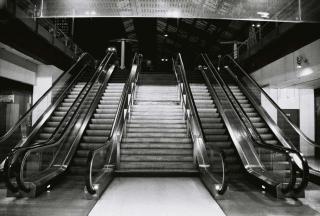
{"x": 135, "y": 196}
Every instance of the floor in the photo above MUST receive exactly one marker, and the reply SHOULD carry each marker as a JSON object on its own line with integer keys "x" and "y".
{"x": 157, "y": 197}
{"x": 160, "y": 196}
{"x": 241, "y": 199}
{"x": 66, "y": 199}
{"x": 314, "y": 163}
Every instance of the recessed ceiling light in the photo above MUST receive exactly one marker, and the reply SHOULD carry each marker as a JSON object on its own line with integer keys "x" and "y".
{"x": 166, "y": 35}
{"x": 306, "y": 72}
{"x": 265, "y": 15}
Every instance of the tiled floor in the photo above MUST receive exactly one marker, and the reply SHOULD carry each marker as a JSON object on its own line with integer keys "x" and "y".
{"x": 160, "y": 196}
{"x": 314, "y": 163}
{"x": 241, "y": 199}
{"x": 66, "y": 199}
{"x": 156, "y": 197}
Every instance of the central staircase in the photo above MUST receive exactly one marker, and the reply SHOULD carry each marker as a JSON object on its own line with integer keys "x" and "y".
{"x": 156, "y": 139}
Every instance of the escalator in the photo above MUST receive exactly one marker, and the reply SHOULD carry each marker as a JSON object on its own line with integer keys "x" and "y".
{"x": 40, "y": 122}
{"x": 158, "y": 134}
{"x": 60, "y": 112}
{"x": 256, "y": 105}
{"x": 270, "y": 166}
{"x": 30, "y": 168}
{"x": 215, "y": 131}
{"x": 101, "y": 122}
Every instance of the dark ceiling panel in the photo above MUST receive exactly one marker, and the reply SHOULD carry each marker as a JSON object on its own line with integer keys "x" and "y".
{"x": 282, "y": 10}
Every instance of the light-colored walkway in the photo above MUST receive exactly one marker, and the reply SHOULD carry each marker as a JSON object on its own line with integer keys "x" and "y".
{"x": 157, "y": 197}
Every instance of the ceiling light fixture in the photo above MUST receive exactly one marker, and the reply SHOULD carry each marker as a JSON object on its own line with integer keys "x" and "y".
{"x": 306, "y": 72}
{"x": 302, "y": 61}
{"x": 264, "y": 15}
{"x": 166, "y": 35}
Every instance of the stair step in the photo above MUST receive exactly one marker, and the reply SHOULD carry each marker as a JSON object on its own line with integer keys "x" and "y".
{"x": 180, "y": 172}
{"x": 157, "y": 121}
{"x": 155, "y": 125}
{"x": 90, "y": 145}
{"x": 155, "y": 158}
{"x": 156, "y": 145}
{"x": 95, "y": 139}
{"x": 156, "y": 151}
{"x": 156, "y": 165}
{"x": 156, "y": 135}
{"x": 157, "y": 117}
{"x": 156, "y": 140}
{"x": 100, "y": 126}
{"x": 91, "y": 132}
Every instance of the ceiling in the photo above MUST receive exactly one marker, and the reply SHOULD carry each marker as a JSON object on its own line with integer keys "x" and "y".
{"x": 160, "y": 38}
{"x": 280, "y": 10}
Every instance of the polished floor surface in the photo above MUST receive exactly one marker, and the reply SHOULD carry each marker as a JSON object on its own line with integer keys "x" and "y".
{"x": 241, "y": 199}
{"x": 65, "y": 199}
{"x": 157, "y": 197}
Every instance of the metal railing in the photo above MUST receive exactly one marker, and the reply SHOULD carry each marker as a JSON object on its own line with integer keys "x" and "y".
{"x": 40, "y": 111}
{"x": 30, "y": 10}
{"x": 261, "y": 170}
{"x": 249, "y": 85}
{"x": 197, "y": 135}
{"x": 18, "y": 156}
{"x": 290, "y": 153}
{"x": 102, "y": 160}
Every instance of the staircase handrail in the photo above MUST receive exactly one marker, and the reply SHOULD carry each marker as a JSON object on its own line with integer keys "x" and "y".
{"x": 253, "y": 132}
{"x": 295, "y": 127}
{"x": 194, "y": 117}
{"x": 129, "y": 85}
{"x": 20, "y": 121}
{"x": 20, "y": 153}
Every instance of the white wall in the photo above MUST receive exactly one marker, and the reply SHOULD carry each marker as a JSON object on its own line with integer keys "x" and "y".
{"x": 284, "y": 73}
{"x": 14, "y": 72}
{"x": 290, "y": 90}
{"x": 45, "y": 76}
{"x": 301, "y": 99}
{"x": 14, "y": 66}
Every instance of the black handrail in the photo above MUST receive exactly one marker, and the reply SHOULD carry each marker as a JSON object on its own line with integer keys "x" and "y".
{"x": 259, "y": 140}
{"x": 20, "y": 121}
{"x": 73, "y": 118}
{"x": 10, "y": 157}
{"x": 132, "y": 77}
{"x": 292, "y": 150}
{"x": 21, "y": 152}
{"x": 295, "y": 127}
{"x": 202, "y": 148}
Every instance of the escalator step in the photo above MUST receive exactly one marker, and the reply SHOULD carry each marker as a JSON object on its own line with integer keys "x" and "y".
{"x": 97, "y": 132}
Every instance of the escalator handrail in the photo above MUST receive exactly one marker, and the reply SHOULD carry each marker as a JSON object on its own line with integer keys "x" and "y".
{"x": 51, "y": 143}
{"x": 194, "y": 113}
{"x": 305, "y": 166}
{"x": 88, "y": 175}
{"x": 21, "y": 152}
{"x": 259, "y": 140}
{"x": 295, "y": 127}
{"x": 190, "y": 97}
{"x": 51, "y": 139}
{"x": 124, "y": 94}
{"x": 21, "y": 120}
